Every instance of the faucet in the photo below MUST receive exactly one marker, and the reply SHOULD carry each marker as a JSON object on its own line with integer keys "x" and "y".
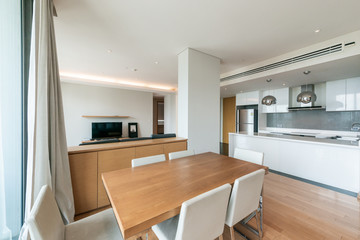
{"x": 355, "y": 127}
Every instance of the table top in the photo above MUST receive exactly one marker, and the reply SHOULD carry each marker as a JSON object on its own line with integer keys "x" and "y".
{"x": 144, "y": 196}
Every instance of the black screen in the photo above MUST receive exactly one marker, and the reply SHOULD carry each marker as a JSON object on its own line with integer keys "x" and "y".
{"x": 106, "y": 129}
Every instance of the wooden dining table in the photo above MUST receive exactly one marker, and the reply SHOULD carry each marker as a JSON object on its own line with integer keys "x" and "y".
{"x": 147, "y": 195}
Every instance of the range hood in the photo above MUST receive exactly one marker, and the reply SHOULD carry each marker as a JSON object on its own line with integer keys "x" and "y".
{"x": 307, "y": 98}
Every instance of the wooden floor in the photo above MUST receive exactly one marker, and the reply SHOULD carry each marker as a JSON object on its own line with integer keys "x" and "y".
{"x": 298, "y": 210}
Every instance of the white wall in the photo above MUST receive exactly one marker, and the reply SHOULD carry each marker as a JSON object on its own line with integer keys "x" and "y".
{"x": 93, "y": 100}
{"x": 170, "y": 109}
{"x": 199, "y": 100}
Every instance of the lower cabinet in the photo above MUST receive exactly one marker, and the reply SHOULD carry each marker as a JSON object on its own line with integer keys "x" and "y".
{"x": 86, "y": 169}
{"x": 110, "y": 161}
{"x": 84, "y": 176}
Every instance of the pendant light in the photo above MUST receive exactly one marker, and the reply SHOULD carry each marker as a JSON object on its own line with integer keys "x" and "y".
{"x": 269, "y": 99}
{"x": 306, "y": 96}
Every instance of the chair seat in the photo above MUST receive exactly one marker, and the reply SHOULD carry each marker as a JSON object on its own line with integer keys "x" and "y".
{"x": 166, "y": 230}
{"x": 102, "y": 225}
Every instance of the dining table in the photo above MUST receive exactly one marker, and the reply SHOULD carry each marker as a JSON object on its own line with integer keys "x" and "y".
{"x": 147, "y": 195}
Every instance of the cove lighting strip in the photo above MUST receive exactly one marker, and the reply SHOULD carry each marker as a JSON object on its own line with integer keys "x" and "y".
{"x": 86, "y": 77}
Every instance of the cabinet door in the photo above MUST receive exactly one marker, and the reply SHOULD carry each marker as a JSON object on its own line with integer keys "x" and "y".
{"x": 83, "y": 168}
{"x": 252, "y": 98}
{"x": 353, "y": 94}
{"x": 150, "y": 150}
{"x": 174, "y": 147}
{"x": 110, "y": 161}
{"x": 335, "y": 95}
{"x": 282, "y": 100}
{"x": 240, "y": 99}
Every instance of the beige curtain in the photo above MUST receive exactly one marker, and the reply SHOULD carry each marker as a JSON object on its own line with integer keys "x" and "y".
{"x": 47, "y": 148}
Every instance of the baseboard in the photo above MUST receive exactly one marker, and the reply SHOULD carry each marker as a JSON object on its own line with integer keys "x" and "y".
{"x": 340, "y": 190}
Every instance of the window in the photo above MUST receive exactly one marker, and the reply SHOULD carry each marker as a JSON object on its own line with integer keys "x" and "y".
{"x": 11, "y": 119}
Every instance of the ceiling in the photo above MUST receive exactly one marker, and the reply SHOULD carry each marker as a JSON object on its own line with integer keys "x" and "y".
{"x": 138, "y": 41}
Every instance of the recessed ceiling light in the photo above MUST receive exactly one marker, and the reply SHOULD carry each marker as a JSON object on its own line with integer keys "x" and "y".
{"x": 317, "y": 30}
{"x": 284, "y": 84}
{"x": 307, "y": 72}
{"x": 134, "y": 69}
{"x": 156, "y": 62}
{"x": 109, "y": 51}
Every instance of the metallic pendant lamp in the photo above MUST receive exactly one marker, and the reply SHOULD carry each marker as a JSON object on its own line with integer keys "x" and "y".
{"x": 269, "y": 99}
{"x": 307, "y": 95}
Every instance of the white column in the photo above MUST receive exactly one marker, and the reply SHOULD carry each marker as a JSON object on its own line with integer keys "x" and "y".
{"x": 199, "y": 100}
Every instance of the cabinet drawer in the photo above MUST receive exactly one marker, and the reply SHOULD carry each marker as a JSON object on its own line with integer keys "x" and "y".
{"x": 110, "y": 161}
{"x": 83, "y": 168}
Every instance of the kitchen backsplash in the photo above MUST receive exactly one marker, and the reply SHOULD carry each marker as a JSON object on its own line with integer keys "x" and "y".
{"x": 318, "y": 119}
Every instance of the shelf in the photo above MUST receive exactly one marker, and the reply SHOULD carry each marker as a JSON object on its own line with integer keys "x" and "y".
{"x": 87, "y": 116}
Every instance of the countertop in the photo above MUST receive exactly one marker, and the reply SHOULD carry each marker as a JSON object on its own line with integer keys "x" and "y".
{"x": 118, "y": 145}
{"x": 340, "y": 143}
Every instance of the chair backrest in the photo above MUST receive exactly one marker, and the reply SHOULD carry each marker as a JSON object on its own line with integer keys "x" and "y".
{"x": 180, "y": 154}
{"x": 245, "y": 197}
{"x": 45, "y": 221}
{"x": 136, "y": 162}
{"x": 249, "y": 156}
{"x": 203, "y": 216}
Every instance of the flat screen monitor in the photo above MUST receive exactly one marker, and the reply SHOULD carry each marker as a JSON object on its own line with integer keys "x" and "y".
{"x": 106, "y": 130}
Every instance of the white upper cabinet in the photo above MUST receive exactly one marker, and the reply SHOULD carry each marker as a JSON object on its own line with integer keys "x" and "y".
{"x": 335, "y": 95}
{"x": 343, "y": 95}
{"x": 352, "y": 94}
{"x": 248, "y": 98}
{"x": 282, "y": 101}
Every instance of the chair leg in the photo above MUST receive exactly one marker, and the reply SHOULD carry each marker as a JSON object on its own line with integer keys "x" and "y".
{"x": 232, "y": 233}
{"x": 261, "y": 214}
{"x": 258, "y": 225}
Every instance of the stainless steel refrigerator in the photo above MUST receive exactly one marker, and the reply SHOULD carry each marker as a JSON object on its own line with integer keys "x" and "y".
{"x": 247, "y": 120}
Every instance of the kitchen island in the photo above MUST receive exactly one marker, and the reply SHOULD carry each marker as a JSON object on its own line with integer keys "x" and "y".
{"x": 326, "y": 161}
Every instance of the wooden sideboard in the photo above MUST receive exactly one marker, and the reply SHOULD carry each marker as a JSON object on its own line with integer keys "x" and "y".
{"x": 88, "y": 162}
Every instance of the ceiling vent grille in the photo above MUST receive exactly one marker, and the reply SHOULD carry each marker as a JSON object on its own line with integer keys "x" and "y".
{"x": 307, "y": 56}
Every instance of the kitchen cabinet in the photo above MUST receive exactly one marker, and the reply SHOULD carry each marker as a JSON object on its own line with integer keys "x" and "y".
{"x": 343, "y": 95}
{"x": 352, "y": 94}
{"x": 282, "y": 101}
{"x": 335, "y": 95}
{"x": 248, "y": 98}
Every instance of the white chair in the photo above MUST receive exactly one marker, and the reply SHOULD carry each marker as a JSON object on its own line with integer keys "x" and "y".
{"x": 244, "y": 200}
{"x": 201, "y": 217}
{"x": 45, "y": 222}
{"x": 249, "y": 156}
{"x": 257, "y": 158}
{"x": 180, "y": 154}
{"x": 136, "y": 162}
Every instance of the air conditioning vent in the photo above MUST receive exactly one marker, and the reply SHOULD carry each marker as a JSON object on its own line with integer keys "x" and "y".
{"x": 307, "y": 56}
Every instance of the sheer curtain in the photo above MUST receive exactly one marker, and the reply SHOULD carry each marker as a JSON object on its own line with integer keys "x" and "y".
{"x": 47, "y": 149}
